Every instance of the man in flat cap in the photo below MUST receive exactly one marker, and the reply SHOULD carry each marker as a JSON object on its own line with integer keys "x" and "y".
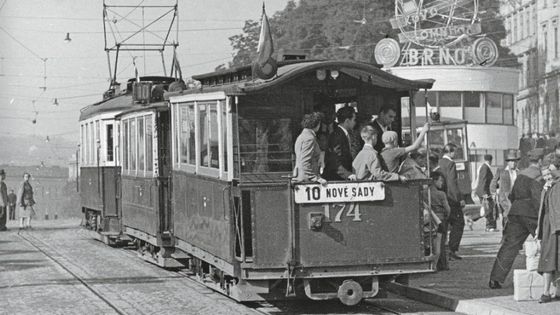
{"x": 392, "y": 154}
{"x": 3, "y": 201}
{"x": 522, "y": 218}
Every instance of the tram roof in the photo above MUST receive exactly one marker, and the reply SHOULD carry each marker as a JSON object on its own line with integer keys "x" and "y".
{"x": 238, "y": 81}
{"x": 115, "y": 104}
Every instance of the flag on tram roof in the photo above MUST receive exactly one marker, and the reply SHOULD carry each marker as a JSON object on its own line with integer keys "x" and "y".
{"x": 264, "y": 66}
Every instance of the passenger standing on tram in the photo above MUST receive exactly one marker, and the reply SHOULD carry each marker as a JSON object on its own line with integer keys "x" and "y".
{"x": 307, "y": 150}
{"x": 456, "y": 219}
{"x": 338, "y": 158}
{"x": 412, "y": 166}
{"x": 382, "y": 124}
{"x": 367, "y": 164}
{"x": 392, "y": 154}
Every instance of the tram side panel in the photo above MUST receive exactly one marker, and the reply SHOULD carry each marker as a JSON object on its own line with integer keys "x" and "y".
{"x": 99, "y": 196}
{"x": 201, "y": 215}
{"x": 140, "y": 207}
{"x": 90, "y": 189}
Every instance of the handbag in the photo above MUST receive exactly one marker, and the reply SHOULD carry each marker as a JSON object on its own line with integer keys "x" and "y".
{"x": 484, "y": 208}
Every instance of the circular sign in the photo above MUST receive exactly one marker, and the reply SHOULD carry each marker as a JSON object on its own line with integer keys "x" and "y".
{"x": 484, "y": 51}
{"x": 387, "y": 52}
{"x": 435, "y": 23}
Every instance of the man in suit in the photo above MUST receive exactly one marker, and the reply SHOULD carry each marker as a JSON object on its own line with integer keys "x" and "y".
{"x": 456, "y": 202}
{"x": 502, "y": 183}
{"x": 3, "y": 201}
{"x": 485, "y": 177}
{"x": 307, "y": 150}
{"x": 522, "y": 218}
{"x": 338, "y": 158}
{"x": 383, "y": 123}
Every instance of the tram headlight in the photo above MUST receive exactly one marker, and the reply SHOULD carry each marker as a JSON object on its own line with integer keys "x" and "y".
{"x": 321, "y": 74}
{"x": 334, "y": 74}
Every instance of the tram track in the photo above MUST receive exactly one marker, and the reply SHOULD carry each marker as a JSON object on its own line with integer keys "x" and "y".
{"x": 25, "y": 237}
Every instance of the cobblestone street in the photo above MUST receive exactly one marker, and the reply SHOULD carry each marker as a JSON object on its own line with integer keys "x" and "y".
{"x": 58, "y": 268}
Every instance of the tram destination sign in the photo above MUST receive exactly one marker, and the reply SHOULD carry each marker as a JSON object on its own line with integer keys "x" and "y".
{"x": 339, "y": 192}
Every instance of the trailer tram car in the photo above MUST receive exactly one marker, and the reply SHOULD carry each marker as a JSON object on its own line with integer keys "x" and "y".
{"x": 203, "y": 178}
{"x": 249, "y": 231}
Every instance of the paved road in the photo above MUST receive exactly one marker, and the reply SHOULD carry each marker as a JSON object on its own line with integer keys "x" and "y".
{"x": 60, "y": 269}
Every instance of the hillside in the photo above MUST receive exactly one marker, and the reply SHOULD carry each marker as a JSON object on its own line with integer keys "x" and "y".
{"x": 35, "y": 150}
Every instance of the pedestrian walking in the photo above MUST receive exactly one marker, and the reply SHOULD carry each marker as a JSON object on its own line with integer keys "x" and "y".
{"x": 3, "y": 201}
{"x": 552, "y": 159}
{"x": 12, "y": 200}
{"x": 547, "y": 232}
{"x": 456, "y": 221}
{"x": 338, "y": 158}
{"x": 25, "y": 202}
{"x": 502, "y": 183}
{"x": 522, "y": 218}
{"x": 485, "y": 177}
{"x": 307, "y": 151}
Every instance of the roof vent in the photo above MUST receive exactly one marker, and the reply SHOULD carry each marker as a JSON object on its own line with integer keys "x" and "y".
{"x": 291, "y": 54}
{"x": 142, "y": 92}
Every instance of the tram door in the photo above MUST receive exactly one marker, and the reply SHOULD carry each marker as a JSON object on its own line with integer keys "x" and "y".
{"x": 164, "y": 168}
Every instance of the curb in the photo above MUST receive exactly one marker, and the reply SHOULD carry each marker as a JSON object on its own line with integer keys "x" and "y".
{"x": 448, "y": 301}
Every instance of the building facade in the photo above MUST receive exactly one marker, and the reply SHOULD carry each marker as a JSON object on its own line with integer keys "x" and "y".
{"x": 533, "y": 35}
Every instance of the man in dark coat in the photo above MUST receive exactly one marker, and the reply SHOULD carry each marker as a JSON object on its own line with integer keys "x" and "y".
{"x": 12, "y": 198}
{"x": 383, "y": 123}
{"x": 483, "y": 192}
{"x": 3, "y": 201}
{"x": 338, "y": 158}
{"x": 502, "y": 183}
{"x": 522, "y": 218}
{"x": 456, "y": 202}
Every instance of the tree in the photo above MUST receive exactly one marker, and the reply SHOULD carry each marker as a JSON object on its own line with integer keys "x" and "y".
{"x": 332, "y": 29}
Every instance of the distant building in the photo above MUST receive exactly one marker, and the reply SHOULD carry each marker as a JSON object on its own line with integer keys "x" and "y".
{"x": 533, "y": 36}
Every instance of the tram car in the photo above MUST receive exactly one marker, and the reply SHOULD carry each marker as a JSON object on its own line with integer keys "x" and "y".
{"x": 449, "y": 130}
{"x": 219, "y": 197}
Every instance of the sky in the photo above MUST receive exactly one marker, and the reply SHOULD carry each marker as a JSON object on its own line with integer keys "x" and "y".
{"x": 32, "y": 34}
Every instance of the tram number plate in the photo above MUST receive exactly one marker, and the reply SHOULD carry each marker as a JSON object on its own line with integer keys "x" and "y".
{"x": 339, "y": 192}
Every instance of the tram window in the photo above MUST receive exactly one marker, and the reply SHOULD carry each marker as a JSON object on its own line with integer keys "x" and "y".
{"x": 265, "y": 145}
{"x": 97, "y": 141}
{"x": 508, "y": 109}
{"x": 149, "y": 145}
{"x": 125, "y": 148}
{"x": 213, "y": 140}
{"x": 91, "y": 143}
{"x": 132, "y": 142}
{"x": 141, "y": 145}
{"x": 203, "y": 135}
{"x": 187, "y": 134}
{"x": 224, "y": 133}
{"x": 109, "y": 135}
{"x": 456, "y": 137}
{"x": 83, "y": 144}
{"x": 437, "y": 140}
{"x": 494, "y": 108}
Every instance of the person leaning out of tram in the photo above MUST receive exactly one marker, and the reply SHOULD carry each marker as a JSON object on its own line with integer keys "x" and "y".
{"x": 392, "y": 154}
{"x": 367, "y": 164}
{"x": 412, "y": 166}
{"x": 307, "y": 150}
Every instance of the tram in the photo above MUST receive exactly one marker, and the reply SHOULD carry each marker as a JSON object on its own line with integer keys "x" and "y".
{"x": 203, "y": 178}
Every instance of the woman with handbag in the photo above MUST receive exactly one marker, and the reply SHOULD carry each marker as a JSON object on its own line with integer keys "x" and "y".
{"x": 25, "y": 201}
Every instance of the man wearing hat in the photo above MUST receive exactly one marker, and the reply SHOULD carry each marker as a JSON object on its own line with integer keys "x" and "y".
{"x": 3, "y": 201}
{"x": 522, "y": 217}
{"x": 502, "y": 183}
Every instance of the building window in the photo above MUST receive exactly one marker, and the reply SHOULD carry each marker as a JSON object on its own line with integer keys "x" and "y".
{"x": 420, "y": 99}
{"x": 555, "y": 24}
{"x": 528, "y": 17}
{"x": 545, "y": 41}
{"x": 521, "y": 25}
{"x": 449, "y": 99}
{"x": 514, "y": 28}
{"x": 494, "y": 108}
{"x": 508, "y": 109}
{"x": 474, "y": 112}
